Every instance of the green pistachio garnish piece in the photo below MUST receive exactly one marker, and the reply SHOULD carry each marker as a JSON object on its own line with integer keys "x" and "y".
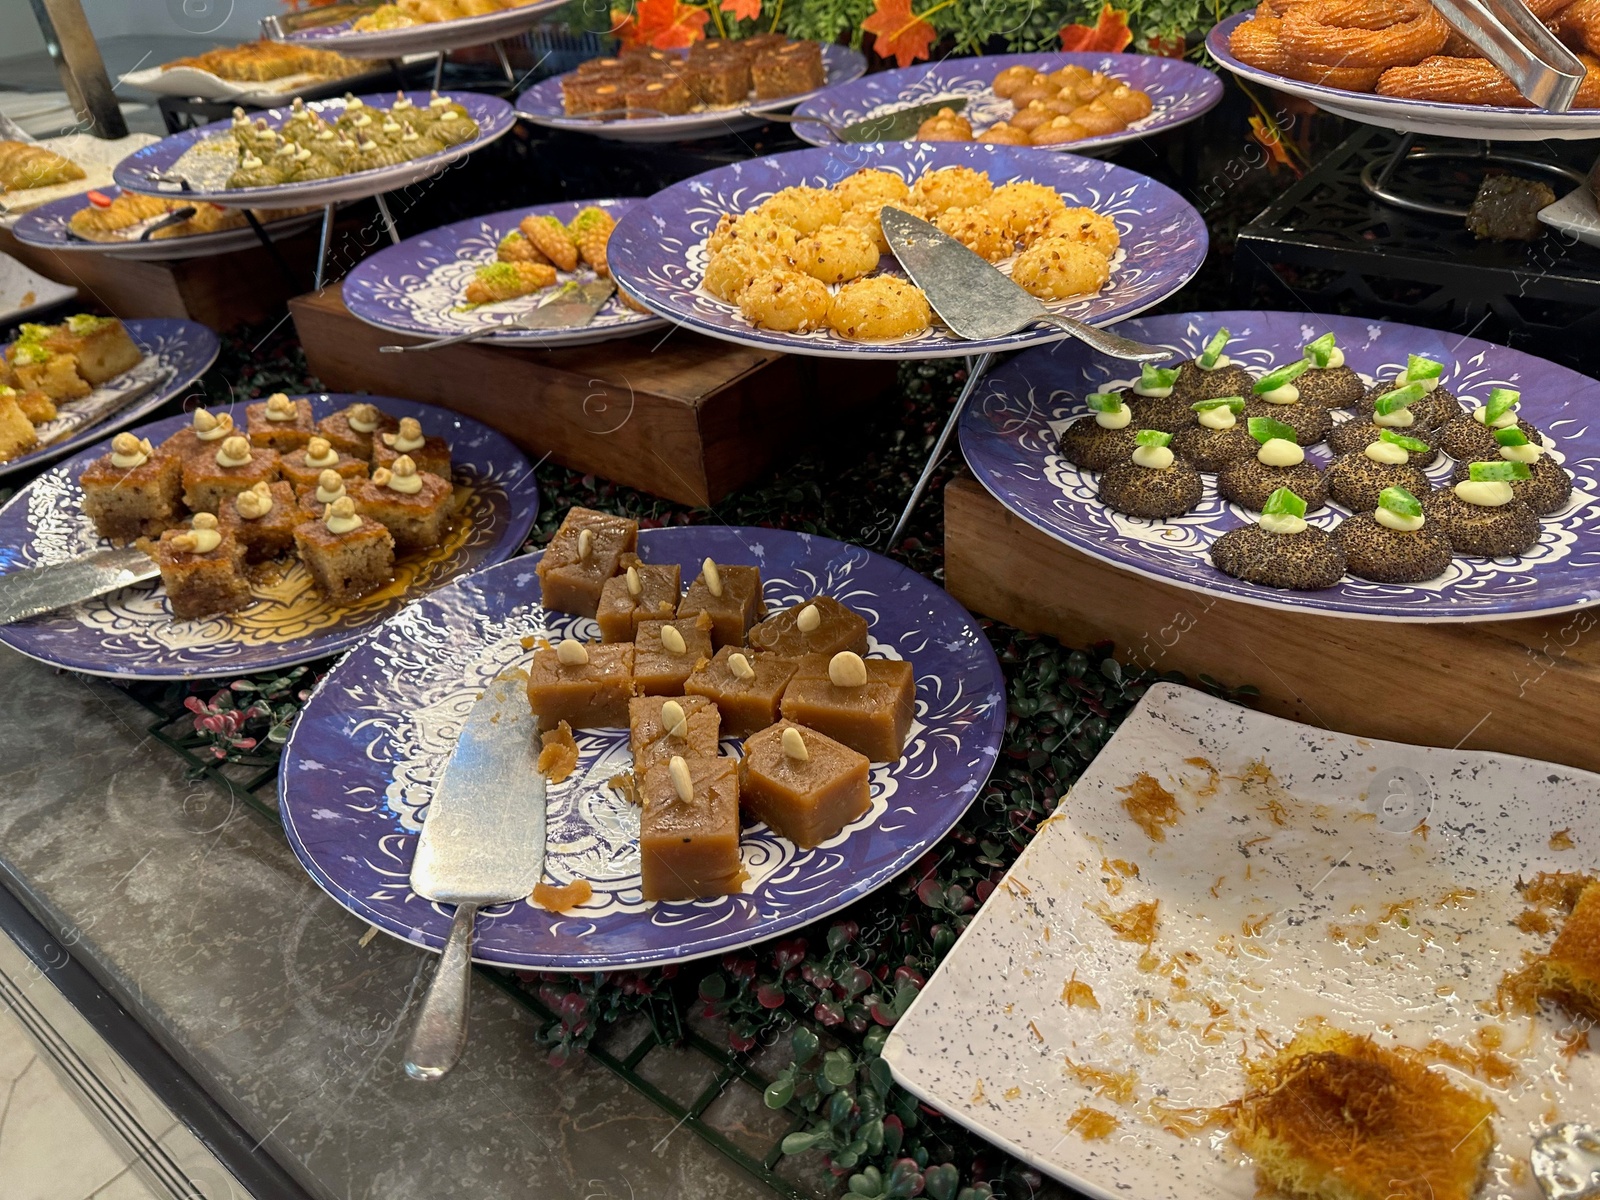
{"x": 1157, "y": 377}
{"x": 1418, "y": 367}
{"x": 1399, "y": 500}
{"x": 1497, "y": 472}
{"x": 1501, "y": 401}
{"x": 1213, "y": 349}
{"x": 1401, "y": 397}
{"x": 1284, "y": 503}
{"x": 1234, "y": 404}
{"x": 1320, "y": 350}
{"x": 1410, "y": 444}
{"x": 1106, "y": 402}
{"x": 1510, "y": 437}
{"x": 1264, "y": 429}
{"x": 1284, "y": 374}
{"x": 1152, "y": 437}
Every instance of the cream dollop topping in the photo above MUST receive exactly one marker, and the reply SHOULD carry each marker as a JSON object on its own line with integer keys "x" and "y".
{"x": 361, "y": 121}
{"x": 1485, "y": 493}
{"x": 234, "y": 452}
{"x": 408, "y": 438}
{"x": 1222, "y": 361}
{"x": 437, "y": 101}
{"x": 320, "y": 453}
{"x": 1156, "y": 458}
{"x": 1282, "y": 523}
{"x": 1528, "y": 452}
{"x": 1399, "y": 522}
{"x": 1114, "y": 420}
{"x": 390, "y": 126}
{"x": 281, "y": 408}
{"x": 302, "y": 154}
{"x": 402, "y": 103}
{"x": 1387, "y": 452}
{"x": 1335, "y": 358}
{"x": 1220, "y": 417}
{"x": 449, "y": 114}
{"x": 255, "y": 503}
{"x": 1427, "y": 384}
{"x": 1284, "y": 394}
{"x": 1280, "y": 452}
{"x": 203, "y": 536}
{"x": 1400, "y": 418}
{"x": 250, "y": 162}
{"x": 1504, "y": 421}
{"x": 363, "y": 418}
{"x": 128, "y": 452}
{"x": 330, "y": 486}
{"x": 209, "y": 428}
{"x": 410, "y": 135}
{"x": 400, "y": 476}
{"x": 341, "y": 516}
{"x": 1154, "y": 392}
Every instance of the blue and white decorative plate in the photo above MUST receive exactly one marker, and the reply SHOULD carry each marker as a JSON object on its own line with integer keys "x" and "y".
{"x": 1009, "y": 434}
{"x": 658, "y": 255}
{"x": 209, "y": 175}
{"x": 418, "y": 39}
{"x": 47, "y": 227}
{"x": 176, "y": 352}
{"x": 1179, "y": 91}
{"x": 542, "y": 105}
{"x": 417, "y": 286}
{"x": 1478, "y": 121}
{"x": 131, "y": 634}
{"x": 365, "y": 754}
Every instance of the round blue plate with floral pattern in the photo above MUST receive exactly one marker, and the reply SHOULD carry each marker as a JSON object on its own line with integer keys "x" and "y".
{"x": 658, "y": 253}
{"x": 360, "y": 766}
{"x": 131, "y": 634}
{"x": 1179, "y": 92}
{"x": 417, "y": 287}
{"x": 1009, "y": 436}
{"x": 150, "y": 169}
{"x": 176, "y": 353}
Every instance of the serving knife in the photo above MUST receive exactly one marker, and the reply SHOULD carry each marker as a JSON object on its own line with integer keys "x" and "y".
{"x": 901, "y": 125}
{"x": 977, "y": 301}
{"x": 28, "y": 593}
{"x": 571, "y": 305}
{"x": 482, "y": 843}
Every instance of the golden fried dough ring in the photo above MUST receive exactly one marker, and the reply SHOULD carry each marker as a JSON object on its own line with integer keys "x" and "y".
{"x": 1257, "y": 43}
{"x": 1363, "y": 33}
{"x": 1444, "y": 80}
{"x": 1346, "y": 79}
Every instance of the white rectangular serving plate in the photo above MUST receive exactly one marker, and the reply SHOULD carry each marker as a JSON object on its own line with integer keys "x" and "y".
{"x": 24, "y": 292}
{"x": 1311, "y": 875}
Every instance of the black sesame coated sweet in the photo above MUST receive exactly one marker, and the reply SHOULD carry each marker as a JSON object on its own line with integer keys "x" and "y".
{"x": 1195, "y": 383}
{"x": 1304, "y": 561}
{"x": 1352, "y": 437}
{"x": 1249, "y": 482}
{"x": 1467, "y": 439}
{"x": 1311, "y": 422}
{"x": 1139, "y": 491}
{"x": 1506, "y": 531}
{"x": 1546, "y": 490}
{"x": 1330, "y": 387}
{"x": 1089, "y": 445}
{"x": 1374, "y": 551}
{"x": 1354, "y": 480}
{"x": 1212, "y": 449}
{"x": 1433, "y": 410}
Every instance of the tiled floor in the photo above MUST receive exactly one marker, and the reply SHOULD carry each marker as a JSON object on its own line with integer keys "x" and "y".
{"x": 49, "y": 1148}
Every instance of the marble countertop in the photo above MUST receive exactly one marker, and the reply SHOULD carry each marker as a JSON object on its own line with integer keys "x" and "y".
{"x": 191, "y": 910}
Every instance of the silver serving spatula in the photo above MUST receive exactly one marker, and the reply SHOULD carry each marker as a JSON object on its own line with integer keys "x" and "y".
{"x": 482, "y": 843}
{"x": 1566, "y": 1162}
{"x": 570, "y": 305}
{"x": 901, "y": 125}
{"x": 977, "y": 301}
{"x": 39, "y": 590}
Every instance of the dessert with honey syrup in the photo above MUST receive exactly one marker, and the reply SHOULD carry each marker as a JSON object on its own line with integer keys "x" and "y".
{"x": 352, "y": 430}
{"x": 263, "y": 520}
{"x": 279, "y": 423}
{"x": 348, "y": 555}
{"x": 1571, "y": 973}
{"x": 429, "y": 453}
{"x": 1334, "y": 1116}
{"x": 202, "y": 568}
{"x": 132, "y": 491}
{"x": 212, "y": 477}
{"x": 303, "y": 467}
{"x": 413, "y": 505}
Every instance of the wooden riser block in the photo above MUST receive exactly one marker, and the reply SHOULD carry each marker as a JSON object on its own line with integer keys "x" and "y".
{"x": 1528, "y": 687}
{"x": 668, "y": 412}
{"x": 222, "y": 290}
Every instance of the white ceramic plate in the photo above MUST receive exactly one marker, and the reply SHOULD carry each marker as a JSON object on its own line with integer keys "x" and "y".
{"x": 436, "y": 35}
{"x": 24, "y": 292}
{"x": 1575, "y": 213}
{"x": 1308, "y": 835}
{"x": 1479, "y": 121}
{"x": 264, "y": 93}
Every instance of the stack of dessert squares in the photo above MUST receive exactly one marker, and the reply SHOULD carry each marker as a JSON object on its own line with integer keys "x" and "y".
{"x": 683, "y": 669}
{"x": 716, "y": 73}
{"x": 344, "y": 494}
{"x": 50, "y": 365}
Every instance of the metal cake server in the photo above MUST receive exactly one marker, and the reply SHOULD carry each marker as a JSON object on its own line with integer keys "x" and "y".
{"x": 1566, "y": 1162}
{"x": 570, "y": 305}
{"x": 901, "y": 125}
{"x": 977, "y": 301}
{"x": 482, "y": 843}
{"x": 38, "y": 590}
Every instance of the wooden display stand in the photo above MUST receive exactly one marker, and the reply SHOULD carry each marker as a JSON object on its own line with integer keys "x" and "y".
{"x": 668, "y": 412}
{"x": 1528, "y": 687}
{"x": 222, "y": 290}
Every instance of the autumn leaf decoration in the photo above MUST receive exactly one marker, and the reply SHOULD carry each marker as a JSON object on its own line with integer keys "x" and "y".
{"x": 662, "y": 24}
{"x": 897, "y": 31}
{"x": 742, "y": 10}
{"x": 1109, "y": 34}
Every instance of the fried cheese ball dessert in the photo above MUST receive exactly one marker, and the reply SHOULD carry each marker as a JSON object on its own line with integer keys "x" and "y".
{"x": 1022, "y": 204}
{"x": 786, "y": 300}
{"x": 734, "y": 269}
{"x": 878, "y": 309}
{"x": 1012, "y": 80}
{"x": 1003, "y": 134}
{"x": 1058, "y": 268}
{"x": 754, "y": 228}
{"x": 945, "y": 126}
{"x": 836, "y": 253}
{"x": 950, "y": 187}
{"x": 550, "y": 237}
{"x": 803, "y": 209}
{"x": 871, "y": 187}
{"x": 978, "y": 231}
{"x": 866, "y": 220}
{"x": 1080, "y": 225}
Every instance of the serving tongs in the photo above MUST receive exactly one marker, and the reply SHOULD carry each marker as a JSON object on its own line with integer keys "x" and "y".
{"x": 1513, "y": 39}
